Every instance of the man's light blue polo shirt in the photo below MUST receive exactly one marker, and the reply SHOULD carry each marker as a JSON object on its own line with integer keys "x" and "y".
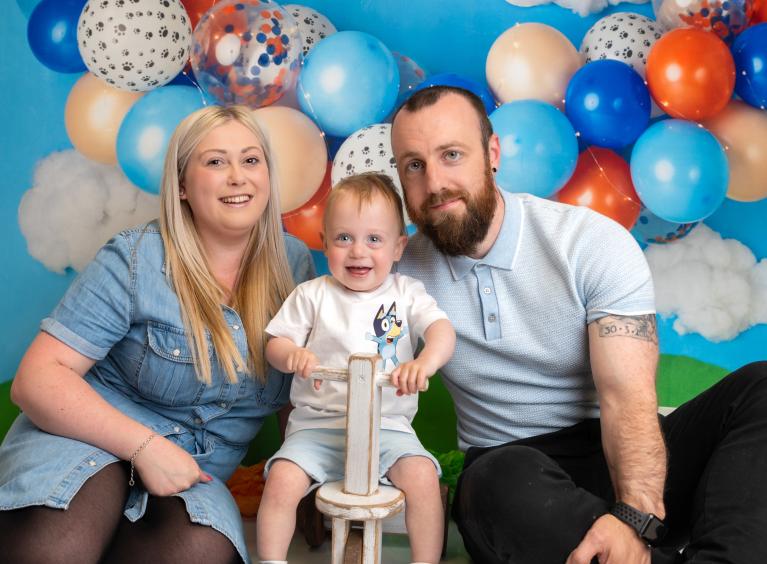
{"x": 521, "y": 364}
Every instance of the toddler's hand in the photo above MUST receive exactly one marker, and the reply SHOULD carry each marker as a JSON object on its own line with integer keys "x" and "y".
{"x": 302, "y": 361}
{"x": 411, "y": 377}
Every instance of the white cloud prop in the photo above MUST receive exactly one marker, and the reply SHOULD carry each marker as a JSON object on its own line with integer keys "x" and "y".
{"x": 75, "y": 206}
{"x": 580, "y": 7}
{"x": 714, "y": 286}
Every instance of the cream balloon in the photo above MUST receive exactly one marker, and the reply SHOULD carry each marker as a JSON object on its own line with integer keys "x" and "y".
{"x": 299, "y": 153}
{"x": 531, "y": 61}
{"x": 93, "y": 114}
{"x": 742, "y": 131}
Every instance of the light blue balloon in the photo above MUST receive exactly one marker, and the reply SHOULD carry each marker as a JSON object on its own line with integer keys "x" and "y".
{"x": 349, "y": 80}
{"x": 146, "y": 130}
{"x": 680, "y": 171}
{"x": 539, "y": 149}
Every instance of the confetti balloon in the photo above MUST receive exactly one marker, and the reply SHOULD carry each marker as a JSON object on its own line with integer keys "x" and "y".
{"x": 725, "y": 18}
{"x": 246, "y": 52}
{"x": 137, "y": 45}
{"x": 313, "y": 26}
{"x": 650, "y": 229}
{"x": 411, "y": 74}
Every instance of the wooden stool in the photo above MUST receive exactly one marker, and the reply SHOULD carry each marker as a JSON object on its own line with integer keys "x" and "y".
{"x": 359, "y": 496}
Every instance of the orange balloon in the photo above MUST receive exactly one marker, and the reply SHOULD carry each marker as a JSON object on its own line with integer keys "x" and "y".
{"x": 690, "y": 73}
{"x": 306, "y": 222}
{"x": 760, "y": 12}
{"x": 602, "y": 182}
{"x": 93, "y": 114}
{"x": 196, "y": 9}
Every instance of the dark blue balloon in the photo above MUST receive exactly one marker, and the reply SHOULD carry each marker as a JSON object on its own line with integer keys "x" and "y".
{"x": 750, "y": 55}
{"x": 52, "y": 34}
{"x": 451, "y": 79}
{"x": 608, "y": 104}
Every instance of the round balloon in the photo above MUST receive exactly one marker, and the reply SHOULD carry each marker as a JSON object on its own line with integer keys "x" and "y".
{"x": 750, "y": 55}
{"x": 146, "y": 130}
{"x": 650, "y": 229}
{"x": 196, "y": 9}
{"x": 679, "y": 170}
{"x": 411, "y": 74}
{"x": 299, "y": 153}
{"x": 622, "y": 36}
{"x": 760, "y": 12}
{"x": 690, "y": 74}
{"x": 313, "y": 26}
{"x": 451, "y": 79}
{"x": 608, "y": 104}
{"x": 348, "y": 81}
{"x": 539, "y": 149}
{"x": 93, "y": 115}
{"x": 137, "y": 45}
{"x": 52, "y": 34}
{"x": 725, "y": 19}
{"x": 246, "y": 52}
{"x": 742, "y": 131}
{"x": 306, "y": 221}
{"x": 602, "y": 182}
{"x": 531, "y": 60}
{"x": 367, "y": 150}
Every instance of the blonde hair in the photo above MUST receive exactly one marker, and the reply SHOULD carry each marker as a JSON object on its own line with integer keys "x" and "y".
{"x": 264, "y": 279}
{"x": 363, "y": 187}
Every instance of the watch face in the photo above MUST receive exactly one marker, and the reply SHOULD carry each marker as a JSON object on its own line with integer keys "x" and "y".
{"x": 654, "y": 531}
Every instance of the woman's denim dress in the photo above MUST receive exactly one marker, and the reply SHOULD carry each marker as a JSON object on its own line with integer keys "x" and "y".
{"x": 122, "y": 311}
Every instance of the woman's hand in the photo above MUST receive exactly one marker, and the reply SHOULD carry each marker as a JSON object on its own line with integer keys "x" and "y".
{"x": 167, "y": 469}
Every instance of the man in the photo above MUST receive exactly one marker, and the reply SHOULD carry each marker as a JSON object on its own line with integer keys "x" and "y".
{"x": 553, "y": 377}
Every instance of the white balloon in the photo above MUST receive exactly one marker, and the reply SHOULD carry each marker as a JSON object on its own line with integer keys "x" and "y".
{"x": 134, "y": 45}
{"x": 313, "y": 26}
{"x": 621, "y": 36}
{"x": 367, "y": 150}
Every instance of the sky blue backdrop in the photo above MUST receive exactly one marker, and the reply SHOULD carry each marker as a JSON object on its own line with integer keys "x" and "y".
{"x": 442, "y": 36}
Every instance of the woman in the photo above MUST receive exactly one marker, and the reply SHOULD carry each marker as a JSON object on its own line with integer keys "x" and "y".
{"x": 155, "y": 357}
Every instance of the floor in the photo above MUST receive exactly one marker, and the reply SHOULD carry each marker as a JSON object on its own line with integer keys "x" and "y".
{"x": 396, "y": 549}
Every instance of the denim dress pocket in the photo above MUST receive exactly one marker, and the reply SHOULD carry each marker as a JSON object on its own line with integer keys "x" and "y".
{"x": 167, "y": 373}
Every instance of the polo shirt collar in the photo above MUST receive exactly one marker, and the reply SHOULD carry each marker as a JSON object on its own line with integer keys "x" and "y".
{"x": 504, "y": 250}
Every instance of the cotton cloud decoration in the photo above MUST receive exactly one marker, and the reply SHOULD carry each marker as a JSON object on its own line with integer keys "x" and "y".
{"x": 714, "y": 286}
{"x": 580, "y": 7}
{"x": 75, "y": 206}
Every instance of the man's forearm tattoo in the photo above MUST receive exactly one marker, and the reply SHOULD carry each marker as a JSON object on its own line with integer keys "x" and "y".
{"x": 643, "y": 327}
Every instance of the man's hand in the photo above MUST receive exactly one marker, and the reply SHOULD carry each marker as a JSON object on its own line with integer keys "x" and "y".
{"x": 610, "y": 541}
{"x": 410, "y": 377}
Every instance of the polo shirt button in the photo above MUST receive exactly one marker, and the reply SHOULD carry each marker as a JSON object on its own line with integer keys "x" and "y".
{"x": 491, "y": 318}
{"x": 486, "y": 290}
{"x": 176, "y": 352}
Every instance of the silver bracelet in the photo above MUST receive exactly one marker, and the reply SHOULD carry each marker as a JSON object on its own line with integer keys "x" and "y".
{"x": 133, "y": 456}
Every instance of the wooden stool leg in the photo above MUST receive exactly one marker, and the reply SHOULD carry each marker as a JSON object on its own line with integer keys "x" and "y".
{"x": 371, "y": 542}
{"x": 340, "y": 534}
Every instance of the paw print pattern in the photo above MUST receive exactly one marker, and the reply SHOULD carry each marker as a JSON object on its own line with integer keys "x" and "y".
{"x": 623, "y": 37}
{"x": 135, "y": 44}
{"x": 312, "y": 25}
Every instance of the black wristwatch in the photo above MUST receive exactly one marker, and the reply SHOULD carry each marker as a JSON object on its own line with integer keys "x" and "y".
{"x": 649, "y": 528}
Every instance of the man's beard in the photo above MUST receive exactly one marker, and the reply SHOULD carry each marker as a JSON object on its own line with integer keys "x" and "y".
{"x": 457, "y": 235}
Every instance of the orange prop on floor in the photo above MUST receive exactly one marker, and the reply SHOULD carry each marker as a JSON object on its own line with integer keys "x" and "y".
{"x": 602, "y": 182}
{"x": 306, "y": 221}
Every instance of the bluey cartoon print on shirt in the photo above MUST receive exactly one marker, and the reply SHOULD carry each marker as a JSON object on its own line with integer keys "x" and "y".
{"x": 388, "y": 331}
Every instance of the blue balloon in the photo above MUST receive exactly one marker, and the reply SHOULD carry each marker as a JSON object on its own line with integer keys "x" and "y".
{"x": 349, "y": 80}
{"x": 608, "y": 103}
{"x": 680, "y": 171}
{"x": 652, "y": 230}
{"x": 146, "y": 130}
{"x": 750, "y": 55}
{"x": 539, "y": 149}
{"x": 450, "y": 79}
{"x": 52, "y": 34}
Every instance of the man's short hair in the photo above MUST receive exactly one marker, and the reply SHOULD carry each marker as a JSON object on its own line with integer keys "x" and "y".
{"x": 431, "y": 95}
